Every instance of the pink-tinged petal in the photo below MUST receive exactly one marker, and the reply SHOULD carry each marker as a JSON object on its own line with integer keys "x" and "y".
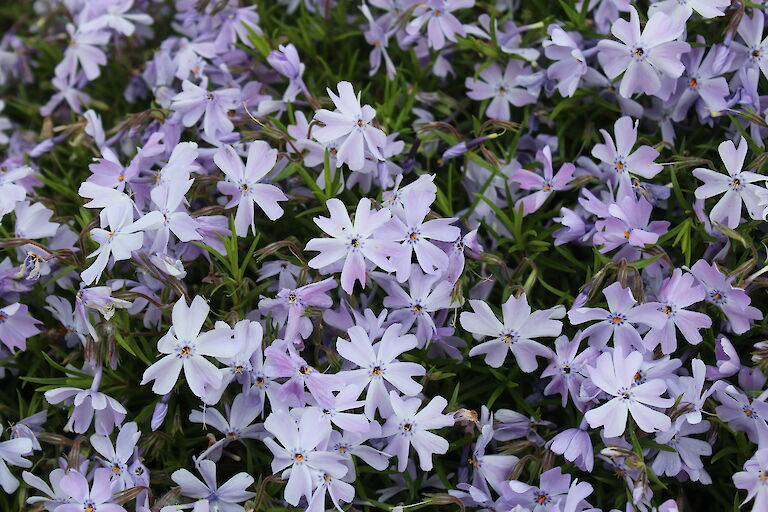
{"x": 352, "y": 151}
{"x": 498, "y": 108}
{"x": 614, "y": 57}
{"x": 666, "y": 58}
{"x": 431, "y": 258}
{"x": 625, "y": 132}
{"x": 647, "y": 419}
{"x": 640, "y": 76}
{"x": 336, "y": 126}
{"x": 401, "y": 376}
{"x": 299, "y": 484}
{"x": 648, "y": 314}
{"x": 612, "y": 415}
{"x": 649, "y": 393}
{"x": 580, "y": 315}
{"x": 689, "y": 323}
{"x": 528, "y": 180}
{"x": 358, "y": 349}
{"x": 244, "y": 218}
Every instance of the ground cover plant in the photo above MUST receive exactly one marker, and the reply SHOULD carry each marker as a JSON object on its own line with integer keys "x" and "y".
{"x": 500, "y": 255}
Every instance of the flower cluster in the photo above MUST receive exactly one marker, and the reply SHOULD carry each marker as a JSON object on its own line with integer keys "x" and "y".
{"x": 515, "y": 253}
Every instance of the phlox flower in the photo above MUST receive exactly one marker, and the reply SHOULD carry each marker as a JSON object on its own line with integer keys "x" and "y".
{"x": 615, "y": 375}
{"x": 285, "y": 60}
{"x": 17, "y": 325}
{"x": 441, "y": 23}
{"x": 241, "y": 416}
{"x": 555, "y": 492}
{"x": 406, "y": 428}
{"x": 83, "y": 49}
{"x": 352, "y": 125}
{"x": 194, "y": 102}
{"x": 82, "y": 497}
{"x": 354, "y": 243}
{"x": 571, "y": 65}
{"x": 575, "y": 445}
{"x": 377, "y": 366}
{"x": 224, "y": 497}
{"x": 426, "y": 294}
{"x": 337, "y": 489}
{"x": 732, "y": 301}
{"x": 688, "y": 450}
{"x": 300, "y": 374}
{"x": 123, "y": 237}
{"x": 617, "y": 321}
{"x": 515, "y": 334}
{"x": 115, "y": 15}
{"x": 683, "y": 9}
{"x": 300, "y": 454}
{"x": 677, "y": 293}
{"x": 53, "y": 494}
{"x": 644, "y": 57}
{"x": 116, "y": 457}
{"x": 743, "y": 413}
{"x": 755, "y": 46}
{"x": 290, "y": 307}
{"x": 754, "y": 480}
{"x": 620, "y": 158}
{"x": 489, "y": 469}
{"x": 543, "y": 186}
{"x": 90, "y": 404}
{"x": 568, "y": 368}
{"x": 503, "y": 86}
{"x": 415, "y": 235}
{"x": 12, "y": 452}
{"x": 244, "y": 184}
{"x": 168, "y": 199}
{"x": 738, "y": 186}
{"x": 186, "y": 347}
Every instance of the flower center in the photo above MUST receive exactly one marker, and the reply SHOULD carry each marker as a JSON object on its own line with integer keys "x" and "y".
{"x": 259, "y": 381}
{"x": 232, "y": 435}
{"x": 292, "y": 298}
{"x": 638, "y": 53}
{"x": 756, "y": 54}
{"x": 376, "y": 370}
{"x": 736, "y": 184}
{"x": 619, "y": 165}
{"x": 185, "y": 352}
{"x": 617, "y": 319}
{"x": 667, "y": 309}
{"x": 305, "y": 370}
{"x": 693, "y": 83}
{"x": 299, "y": 458}
{"x": 717, "y": 297}
{"x": 417, "y": 308}
{"x": 749, "y": 412}
{"x": 244, "y": 188}
{"x": 541, "y": 498}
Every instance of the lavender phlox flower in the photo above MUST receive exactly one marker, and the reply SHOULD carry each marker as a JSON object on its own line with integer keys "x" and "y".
{"x": 68, "y": 89}
{"x": 53, "y": 494}
{"x": 688, "y": 450}
{"x": 348, "y": 444}
{"x": 17, "y": 325}
{"x": 703, "y": 82}
{"x": 340, "y": 411}
{"x": 83, "y": 49}
{"x": 692, "y": 392}
{"x": 239, "y": 422}
{"x": 555, "y": 492}
{"x": 615, "y": 375}
{"x": 12, "y": 452}
{"x": 354, "y": 243}
{"x": 196, "y": 101}
{"x": 237, "y": 25}
{"x": 224, "y": 497}
{"x": 325, "y": 483}
{"x": 617, "y": 321}
{"x": 300, "y": 454}
{"x": 351, "y": 124}
{"x": 727, "y": 361}
{"x": 503, "y": 86}
{"x": 12, "y": 192}
{"x": 29, "y": 428}
{"x": 123, "y": 237}
{"x": 247, "y": 336}
{"x": 683, "y": 9}
{"x": 568, "y": 368}
{"x": 406, "y": 428}
{"x": 415, "y": 235}
{"x": 515, "y": 334}
{"x": 542, "y": 186}
{"x": 244, "y": 184}
{"x": 279, "y": 363}
{"x": 290, "y": 307}
{"x": 753, "y": 478}
{"x": 115, "y": 15}
{"x": 743, "y": 413}
{"x": 677, "y": 293}
{"x": 738, "y": 185}
{"x": 426, "y": 294}
{"x": 185, "y": 347}
{"x": 116, "y": 457}
{"x": 285, "y": 60}
{"x": 441, "y": 24}
{"x": 489, "y": 469}
{"x": 377, "y": 35}
{"x": 754, "y": 49}
{"x": 732, "y": 301}
{"x": 620, "y": 158}
{"x": 571, "y": 65}
{"x": 169, "y": 198}
{"x": 98, "y": 299}
{"x": 644, "y": 57}
{"x": 575, "y": 445}
{"x": 377, "y": 366}
{"x": 99, "y": 496}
